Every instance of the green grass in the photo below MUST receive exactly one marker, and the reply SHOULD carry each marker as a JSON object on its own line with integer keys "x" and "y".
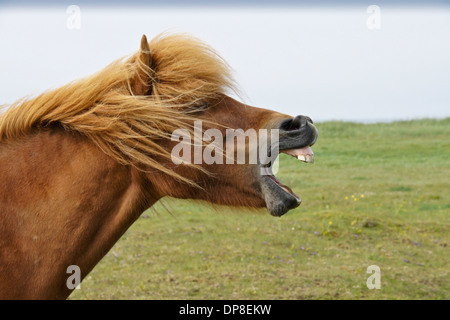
{"x": 378, "y": 194}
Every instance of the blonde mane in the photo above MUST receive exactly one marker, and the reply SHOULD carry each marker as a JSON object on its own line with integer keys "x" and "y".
{"x": 184, "y": 73}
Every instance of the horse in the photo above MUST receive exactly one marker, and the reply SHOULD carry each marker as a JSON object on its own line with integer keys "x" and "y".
{"x": 79, "y": 164}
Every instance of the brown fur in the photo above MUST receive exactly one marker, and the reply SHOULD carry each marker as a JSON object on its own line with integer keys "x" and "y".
{"x": 112, "y": 109}
{"x": 79, "y": 164}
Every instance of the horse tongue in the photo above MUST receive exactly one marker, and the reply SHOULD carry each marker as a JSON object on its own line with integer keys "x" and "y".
{"x": 303, "y": 154}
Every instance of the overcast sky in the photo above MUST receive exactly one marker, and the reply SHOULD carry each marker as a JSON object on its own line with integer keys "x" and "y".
{"x": 321, "y": 61}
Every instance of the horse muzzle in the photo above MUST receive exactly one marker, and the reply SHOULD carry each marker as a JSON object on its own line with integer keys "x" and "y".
{"x": 296, "y": 136}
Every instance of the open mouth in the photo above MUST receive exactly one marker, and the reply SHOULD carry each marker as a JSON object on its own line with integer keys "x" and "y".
{"x": 304, "y": 154}
{"x": 297, "y": 135}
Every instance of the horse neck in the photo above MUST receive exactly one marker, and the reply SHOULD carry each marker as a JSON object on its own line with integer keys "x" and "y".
{"x": 72, "y": 204}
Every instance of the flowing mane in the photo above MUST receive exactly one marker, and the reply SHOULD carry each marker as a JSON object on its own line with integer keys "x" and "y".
{"x": 108, "y": 109}
{"x": 81, "y": 163}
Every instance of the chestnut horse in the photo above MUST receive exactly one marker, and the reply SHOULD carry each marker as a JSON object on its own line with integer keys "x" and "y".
{"x": 79, "y": 164}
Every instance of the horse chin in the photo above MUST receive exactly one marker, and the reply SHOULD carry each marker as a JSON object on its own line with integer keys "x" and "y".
{"x": 280, "y": 198}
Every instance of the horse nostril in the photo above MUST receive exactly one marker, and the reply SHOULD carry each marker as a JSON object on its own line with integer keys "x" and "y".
{"x": 299, "y": 122}
{"x": 303, "y": 121}
{"x": 295, "y": 123}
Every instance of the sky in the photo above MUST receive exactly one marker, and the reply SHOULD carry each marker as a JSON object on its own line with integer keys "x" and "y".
{"x": 328, "y": 62}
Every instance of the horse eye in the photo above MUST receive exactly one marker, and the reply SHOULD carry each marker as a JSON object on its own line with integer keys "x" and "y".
{"x": 203, "y": 107}
{"x": 199, "y": 108}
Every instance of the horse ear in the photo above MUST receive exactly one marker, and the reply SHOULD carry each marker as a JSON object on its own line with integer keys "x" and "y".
{"x": 142, "y": 80}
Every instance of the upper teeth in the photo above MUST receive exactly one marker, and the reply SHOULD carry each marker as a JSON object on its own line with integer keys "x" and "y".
{"x": 306, "y": 158}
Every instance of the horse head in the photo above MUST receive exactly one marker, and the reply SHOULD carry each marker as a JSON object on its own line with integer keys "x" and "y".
{"x": 216, "y": 129}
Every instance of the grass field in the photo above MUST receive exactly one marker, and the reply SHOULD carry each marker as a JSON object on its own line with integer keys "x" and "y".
{"x": 378, "y": 194}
